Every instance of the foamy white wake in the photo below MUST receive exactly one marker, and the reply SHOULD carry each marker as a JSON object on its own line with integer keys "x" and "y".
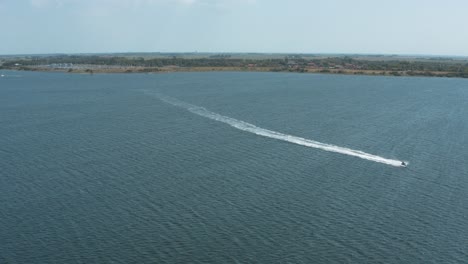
{"x": 244, "y": 126}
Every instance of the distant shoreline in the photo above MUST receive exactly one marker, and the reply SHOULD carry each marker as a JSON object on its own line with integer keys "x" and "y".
{"x": 347, "y": 65}
{"x": 233, "y": 69}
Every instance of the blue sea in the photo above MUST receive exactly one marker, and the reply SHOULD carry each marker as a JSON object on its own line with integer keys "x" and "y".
{"x": 226, "y": 167}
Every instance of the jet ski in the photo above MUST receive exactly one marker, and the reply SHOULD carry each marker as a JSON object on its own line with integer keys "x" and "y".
{"x": 403, "y": 164}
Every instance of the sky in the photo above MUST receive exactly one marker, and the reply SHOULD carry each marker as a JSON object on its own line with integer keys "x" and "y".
{"x": 429, "y": 27}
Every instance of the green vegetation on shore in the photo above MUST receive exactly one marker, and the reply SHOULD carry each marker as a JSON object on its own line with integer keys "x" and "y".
{"x": 339, "y": 64}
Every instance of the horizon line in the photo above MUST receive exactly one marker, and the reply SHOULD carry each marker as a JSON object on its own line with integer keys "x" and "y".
{"x": 231, "y": 52}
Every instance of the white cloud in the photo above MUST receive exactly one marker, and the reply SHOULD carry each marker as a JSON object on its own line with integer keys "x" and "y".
{"x": 48, "y": 3}
{"x": 138, "y": 3}
{"x": 187, "y": 2}
{"x": 227, "y": 3}
{"x": 39, "y": 3}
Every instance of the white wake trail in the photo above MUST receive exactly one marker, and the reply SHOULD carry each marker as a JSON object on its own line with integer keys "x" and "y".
{"x": 244, "y": 126}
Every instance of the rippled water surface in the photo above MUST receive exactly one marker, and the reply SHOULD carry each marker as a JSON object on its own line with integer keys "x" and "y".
{"x": 100, "y": 169}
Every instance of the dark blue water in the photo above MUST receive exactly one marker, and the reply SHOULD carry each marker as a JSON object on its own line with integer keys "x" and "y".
{"x": 94, "y": 169}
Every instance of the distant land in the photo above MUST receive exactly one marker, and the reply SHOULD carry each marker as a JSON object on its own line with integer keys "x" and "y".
{"x": 392, "y": 65}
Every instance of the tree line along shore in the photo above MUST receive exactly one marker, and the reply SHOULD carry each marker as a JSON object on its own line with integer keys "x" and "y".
{"x": 437, "y": 67}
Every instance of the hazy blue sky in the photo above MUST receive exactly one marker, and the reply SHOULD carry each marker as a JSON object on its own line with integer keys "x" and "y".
{"x": 298, "y": 26}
